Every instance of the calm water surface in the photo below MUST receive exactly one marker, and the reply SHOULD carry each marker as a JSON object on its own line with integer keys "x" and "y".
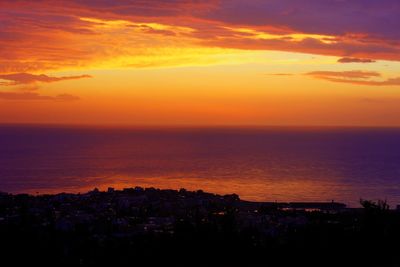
{"x": 268, "y": 164}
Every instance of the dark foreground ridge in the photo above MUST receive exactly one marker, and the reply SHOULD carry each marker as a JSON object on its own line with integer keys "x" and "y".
{"x": 181, "y": 228}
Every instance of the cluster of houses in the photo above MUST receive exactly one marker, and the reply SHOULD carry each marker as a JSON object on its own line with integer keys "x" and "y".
{"x": 135, "y": 211}
{"x": 153, "y": 225}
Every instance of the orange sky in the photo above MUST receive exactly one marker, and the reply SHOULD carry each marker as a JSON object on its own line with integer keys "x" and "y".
{"x": 192, "y": 63}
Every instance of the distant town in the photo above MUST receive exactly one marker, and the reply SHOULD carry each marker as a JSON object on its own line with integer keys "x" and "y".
{"x": 122, "y": 227}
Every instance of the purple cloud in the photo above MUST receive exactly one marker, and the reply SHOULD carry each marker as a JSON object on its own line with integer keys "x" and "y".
{"x": 332, "y": 17}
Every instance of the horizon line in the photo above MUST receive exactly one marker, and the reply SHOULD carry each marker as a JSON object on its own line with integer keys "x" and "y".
{"x": 191, "y": 126}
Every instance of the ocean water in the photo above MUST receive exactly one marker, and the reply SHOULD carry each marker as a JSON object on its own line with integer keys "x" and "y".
{"x": 262, "y": 164}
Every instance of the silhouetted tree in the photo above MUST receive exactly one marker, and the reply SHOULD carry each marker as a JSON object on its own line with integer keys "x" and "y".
{"x": 376, "y": 207}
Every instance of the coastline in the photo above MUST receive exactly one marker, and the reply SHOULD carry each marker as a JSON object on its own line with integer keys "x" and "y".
{"x": 269, "y": 164}
{"x": 154, "y": 226}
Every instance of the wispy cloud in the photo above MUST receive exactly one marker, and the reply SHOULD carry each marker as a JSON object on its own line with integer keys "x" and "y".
{"x": 354, "y": 74}
{"x": 355, "y": 77}
{"x": 35, "y": 96}
{"x": 355, "y": 60}
{"x": 27, "y": 78}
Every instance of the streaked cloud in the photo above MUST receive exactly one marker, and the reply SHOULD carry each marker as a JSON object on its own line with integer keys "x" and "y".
{"x": 29, "y": 96}
{"x": 355, "y": 77}
{"x": 25, "y": 87}
{"x": 27, "y": 78}
{"x": 354, "y": 74}
{"x": 355, "y": 60}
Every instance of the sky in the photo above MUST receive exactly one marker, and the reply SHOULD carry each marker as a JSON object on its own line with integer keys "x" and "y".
{"x": 211, "y": 62}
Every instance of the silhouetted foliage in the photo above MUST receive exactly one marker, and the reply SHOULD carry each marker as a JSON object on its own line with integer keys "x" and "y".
{"x": 378, "y": 207}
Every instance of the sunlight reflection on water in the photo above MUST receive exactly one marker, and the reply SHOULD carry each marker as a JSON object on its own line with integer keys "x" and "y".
{"x": 283, "y": 164}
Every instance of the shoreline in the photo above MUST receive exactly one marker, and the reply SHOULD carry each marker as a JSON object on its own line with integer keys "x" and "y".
{"x": 153, "y": 226}
{"x": 293, "y": 204}
{"x": 285, "y": 205}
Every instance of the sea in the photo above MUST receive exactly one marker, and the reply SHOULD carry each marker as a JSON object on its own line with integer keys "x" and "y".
{"x": 282, "y": 164}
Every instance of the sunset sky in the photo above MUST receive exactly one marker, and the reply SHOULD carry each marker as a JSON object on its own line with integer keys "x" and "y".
{"x": 212, "y": 62}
